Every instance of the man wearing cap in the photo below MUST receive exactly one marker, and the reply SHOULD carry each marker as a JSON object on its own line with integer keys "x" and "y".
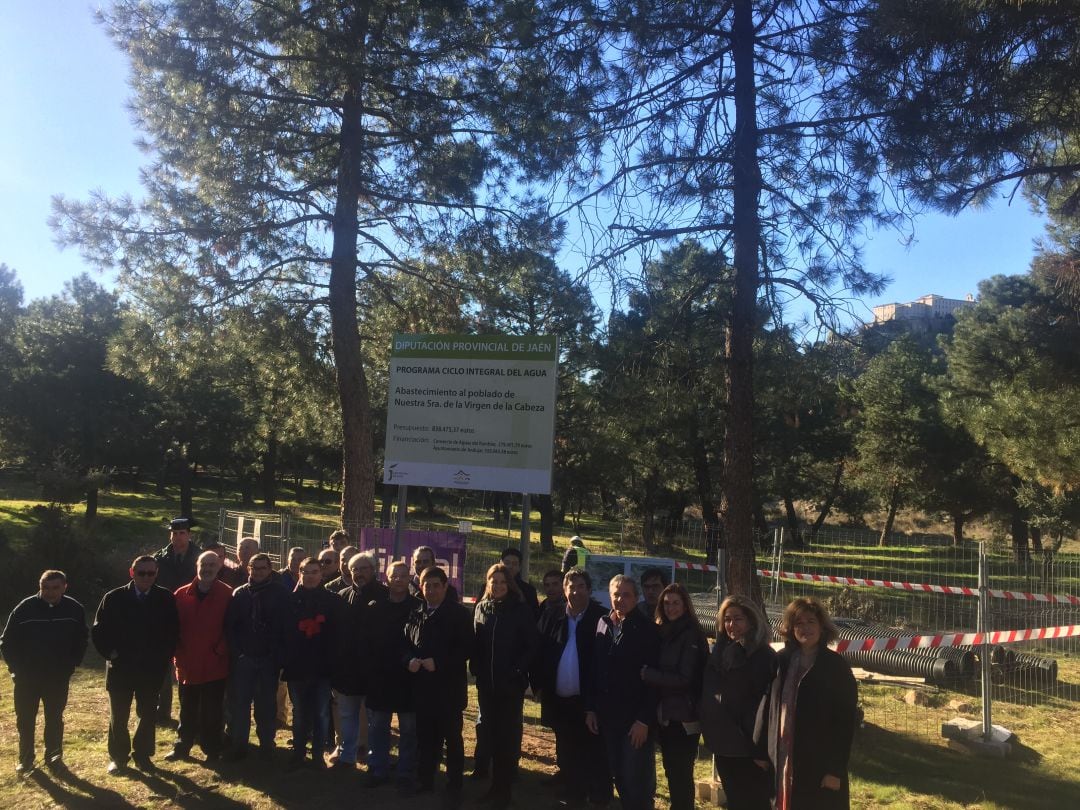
{"x": 43, "y": 641}
{"x": 135, "y": 630}
{"x": 176, "y": 567}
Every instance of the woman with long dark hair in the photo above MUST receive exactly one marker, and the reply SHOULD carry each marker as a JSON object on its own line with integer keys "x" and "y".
{"x": 506, "y": 641}
{"x": 677, "y": 676}
{"x": 812, "y": 710}
{"x": 737, "y": 678}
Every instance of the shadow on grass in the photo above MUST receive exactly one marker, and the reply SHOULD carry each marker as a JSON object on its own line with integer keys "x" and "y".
{"x": 68, "y": 790}
{"x": 182, "y": 791}
{"x": 922, "y": 767}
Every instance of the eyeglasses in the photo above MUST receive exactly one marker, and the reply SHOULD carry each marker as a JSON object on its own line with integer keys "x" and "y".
{"x": 146, "y": 573}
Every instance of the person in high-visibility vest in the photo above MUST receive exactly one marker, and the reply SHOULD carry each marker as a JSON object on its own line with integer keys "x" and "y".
{"x": 576, "y": 555}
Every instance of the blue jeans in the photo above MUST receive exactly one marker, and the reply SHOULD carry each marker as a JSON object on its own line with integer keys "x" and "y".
{"x": 379, "y": 743}
{"x": 253, "y": 680}
{"x": 311, "y": 713}
{"x": 634, "y": 769}
{"x": 349, "y": 708}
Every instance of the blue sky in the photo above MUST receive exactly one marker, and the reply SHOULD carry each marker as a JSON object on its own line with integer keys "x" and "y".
{"x": 67, "y": 131}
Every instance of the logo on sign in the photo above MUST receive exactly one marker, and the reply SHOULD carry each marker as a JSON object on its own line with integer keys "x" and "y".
{"x": 461, "y": 477}
{"x": 396, "y": 473}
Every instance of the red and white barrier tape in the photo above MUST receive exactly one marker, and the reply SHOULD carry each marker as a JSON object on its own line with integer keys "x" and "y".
{"x": 957, "y": 639}
{"x": 912, "y": 587}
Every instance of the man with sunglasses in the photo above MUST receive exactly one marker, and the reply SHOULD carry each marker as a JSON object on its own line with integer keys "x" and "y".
{"x": 135, "y": 630}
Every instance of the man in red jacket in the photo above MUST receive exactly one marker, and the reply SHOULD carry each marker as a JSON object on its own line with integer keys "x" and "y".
{"x": 202, "y": 659}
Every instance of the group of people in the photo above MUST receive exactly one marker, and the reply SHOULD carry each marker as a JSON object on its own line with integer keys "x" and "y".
{"x": 353, "y": 651}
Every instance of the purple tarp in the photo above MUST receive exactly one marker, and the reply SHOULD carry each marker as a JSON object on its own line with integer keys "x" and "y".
{"x": 449, "y": 550}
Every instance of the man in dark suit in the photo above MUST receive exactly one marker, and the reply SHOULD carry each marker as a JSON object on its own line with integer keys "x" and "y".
{"x": 563, "y": 667}
{"x": 619, "y": 705}
{"x": 438, "y": 644}
{"x": 135, "y": 630}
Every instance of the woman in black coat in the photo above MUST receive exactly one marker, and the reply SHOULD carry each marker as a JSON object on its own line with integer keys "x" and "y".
{"x": 506, "y": 642}
{"x": 677, "y": 676}
{"x": 811, "y": 714}
{"x": 737, "y": 678}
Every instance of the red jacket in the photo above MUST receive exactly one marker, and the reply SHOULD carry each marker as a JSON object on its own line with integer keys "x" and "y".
{"x": 202, "y": 654}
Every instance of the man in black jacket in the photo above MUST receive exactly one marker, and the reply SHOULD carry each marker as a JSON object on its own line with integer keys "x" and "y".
{"x": 254, "y": 628}
{"x": 176, "y": 568}
{"x": 619, "y": 705}
{"x": 43, "y": 641}
{"x": 312, "y": 637}
{"x": 389, "y": 687}
{"x": 563, "y": 667}
{"x": 438, "y": 644}
{"x": 135, "y": 630}
{"x": 351, "y": 675}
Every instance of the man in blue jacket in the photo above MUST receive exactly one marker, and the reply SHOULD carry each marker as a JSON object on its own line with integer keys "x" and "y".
{"x": 43, "y": 641}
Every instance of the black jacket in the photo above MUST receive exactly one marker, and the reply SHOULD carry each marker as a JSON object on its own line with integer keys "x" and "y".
{"x": 446, "y": 636}
{"x": 528, "y": 595}
{"x": 354, "y": 659}
{"x": 677, "y": 674}
{"x": 42, "y": 640}
{"x": 136, "y": 637}
{"x": 255, "y": 621}
{"x": 616, "y": 691}
{"x": 505, "y": 644}
{"x": 389, "y": 687}
{"x": 173, "y": 572}
{"x": 734, "y": 685}
{"x": 825, "y": 712}
{"x": 312, "y": 634}
{"x": 553, "y": 638}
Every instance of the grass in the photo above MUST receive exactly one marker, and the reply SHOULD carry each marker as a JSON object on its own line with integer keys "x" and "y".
{"x": 888, "y": 769}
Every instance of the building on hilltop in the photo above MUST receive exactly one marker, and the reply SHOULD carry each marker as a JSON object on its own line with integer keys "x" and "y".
{"x": 922, "y": 309}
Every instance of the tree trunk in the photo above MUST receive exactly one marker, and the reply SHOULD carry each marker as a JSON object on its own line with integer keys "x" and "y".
{"x": 826, "y": 508}
{"x": 792, "y": 521}
{"x": 958, "y": 529}
{"x": 247, "y": 491}
{"x": 894, "y": 504}
{"x": 546, "y": 507}
{"x": 358, "y": 490}
{"x": 186, "y": 498}
{"x": 429, "y": 505}
{"x": 90, "y": 515}
{"x": 1018, "y": 520}
{"x": 269, "y": 473}
{"x": 1036, "y": 539}
{"x": 739, "y": 345}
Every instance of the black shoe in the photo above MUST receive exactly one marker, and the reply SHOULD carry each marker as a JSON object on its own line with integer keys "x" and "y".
{"x": 266, "y": 753}
{"x": 213, "y": 759}
{"x": 144, "y": 764}
{"x": 25, "y": 767}
{"x": 479, "y": 773}
{"x": 117, "y": 768}
{"x": 178, "y": 754}
{"x": 342, "y": 765}
{"x": 236, "y": 755}
{"x": 318, "y": 761}
{"x": 296, "y": 760}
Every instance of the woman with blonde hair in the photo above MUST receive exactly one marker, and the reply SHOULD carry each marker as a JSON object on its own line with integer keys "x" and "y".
{"x": 738, "y": 675}
{"x": 811, "y": 714}
{"x": 506, "y": 641}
